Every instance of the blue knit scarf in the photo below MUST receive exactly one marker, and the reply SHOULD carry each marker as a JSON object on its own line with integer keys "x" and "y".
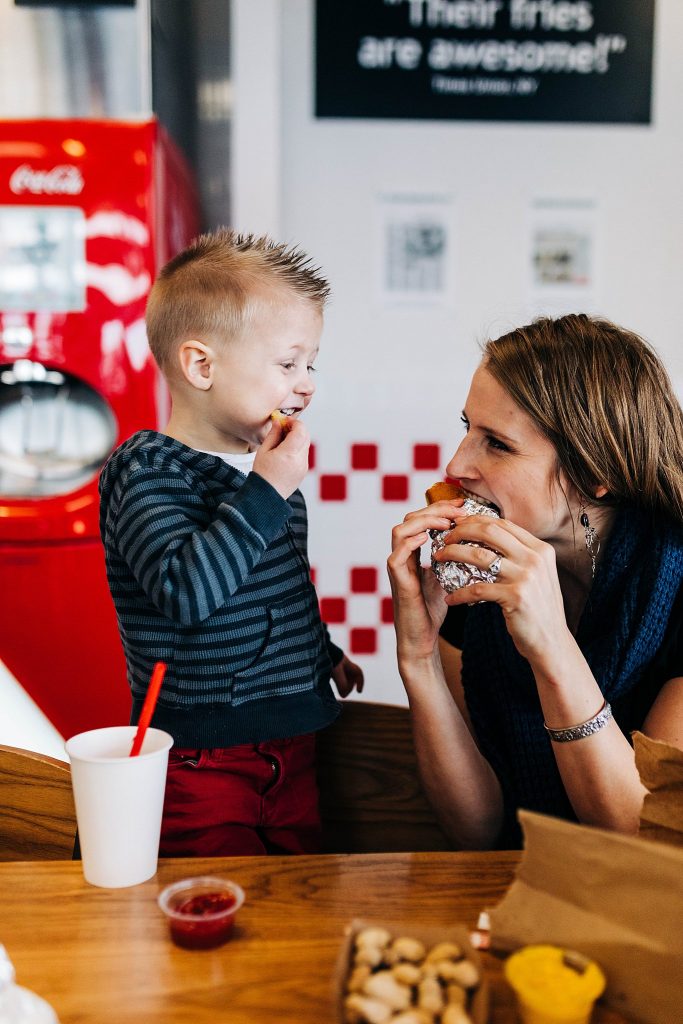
{"x": 621, "y": 630}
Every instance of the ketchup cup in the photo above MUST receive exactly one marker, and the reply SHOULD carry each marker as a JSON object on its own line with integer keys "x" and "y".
{"x": 201, "y": 911}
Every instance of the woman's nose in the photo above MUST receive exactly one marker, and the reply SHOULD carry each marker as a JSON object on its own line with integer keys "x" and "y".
{"x": 462, "y": 464}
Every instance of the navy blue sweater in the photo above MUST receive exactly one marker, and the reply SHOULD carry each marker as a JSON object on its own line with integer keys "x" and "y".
{"x": 208, "y": 571}
{"x": 631, "y": 633}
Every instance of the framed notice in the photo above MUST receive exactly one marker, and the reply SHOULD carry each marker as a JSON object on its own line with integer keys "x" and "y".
{"x": 486, "y": 60}
{"x": 415, "y": 248}
{"x": 564, "y": 255}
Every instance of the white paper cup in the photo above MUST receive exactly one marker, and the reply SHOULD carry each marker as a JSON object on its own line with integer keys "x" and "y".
{"x": 119, "y": 801}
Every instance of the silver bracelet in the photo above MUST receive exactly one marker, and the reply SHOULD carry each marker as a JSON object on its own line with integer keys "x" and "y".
{"x": 579, "y": 732}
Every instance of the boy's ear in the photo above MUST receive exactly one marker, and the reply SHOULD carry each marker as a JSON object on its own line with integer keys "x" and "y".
{"x": 196, "y": 363}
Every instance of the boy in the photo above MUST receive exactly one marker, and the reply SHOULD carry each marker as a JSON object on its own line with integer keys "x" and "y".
{"x": 205, "y": 541}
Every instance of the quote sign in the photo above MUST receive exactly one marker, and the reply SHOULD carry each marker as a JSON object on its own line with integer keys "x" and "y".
{"x": 502, "y": 60}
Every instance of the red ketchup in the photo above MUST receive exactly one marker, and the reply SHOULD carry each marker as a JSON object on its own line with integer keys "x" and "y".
{"x": 206, "y": 920}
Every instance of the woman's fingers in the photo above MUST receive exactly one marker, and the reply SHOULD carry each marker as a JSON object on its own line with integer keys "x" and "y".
{"x": 481, "y": 558}
{"x": 498, "y": 534}
{"x": 405, "y": 556}
{"x": 407, "y": 545}
{"x": 415, "y": 523}
{"x": 448, "y": 510}
{"x": 474, "y": 593}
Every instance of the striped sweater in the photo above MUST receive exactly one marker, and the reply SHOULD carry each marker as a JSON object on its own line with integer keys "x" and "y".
{"x": 208, "y": 571}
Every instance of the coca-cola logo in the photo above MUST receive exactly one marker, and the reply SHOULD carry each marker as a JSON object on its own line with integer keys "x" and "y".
{"x": 63, "y": 180}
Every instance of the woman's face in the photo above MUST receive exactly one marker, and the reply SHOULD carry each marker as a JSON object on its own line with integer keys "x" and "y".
{"x": 505, "y": 459}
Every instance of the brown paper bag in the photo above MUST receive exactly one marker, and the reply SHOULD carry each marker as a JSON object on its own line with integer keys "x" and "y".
{"x": 615, "y": 898}
{"x": 660, "y": 767}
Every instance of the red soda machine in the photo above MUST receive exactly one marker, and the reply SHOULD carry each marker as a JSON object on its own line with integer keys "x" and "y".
{"x": 89, "y": 211}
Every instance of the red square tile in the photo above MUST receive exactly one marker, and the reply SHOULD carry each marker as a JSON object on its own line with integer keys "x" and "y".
{"x": 364, "y": 456}
{"x": 363, "y": 641}
{"x": 333, "y": 609}
{"x": 311, "y": 457}
{"x": 364, "y": 580}
{"x": 387, "y": 611}
{"x": 395, "y": 488}
{"x": 426, "y": 456}
{"x": 332, "y": 487}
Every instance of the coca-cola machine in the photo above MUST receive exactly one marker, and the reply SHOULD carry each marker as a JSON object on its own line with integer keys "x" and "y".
{"x": 89, "y": 211}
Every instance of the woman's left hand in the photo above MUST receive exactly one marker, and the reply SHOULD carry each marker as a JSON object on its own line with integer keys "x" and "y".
{"x": 527, "y": 587}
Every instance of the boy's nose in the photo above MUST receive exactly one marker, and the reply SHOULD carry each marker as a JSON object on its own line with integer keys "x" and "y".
{"x": 305, "y": 385}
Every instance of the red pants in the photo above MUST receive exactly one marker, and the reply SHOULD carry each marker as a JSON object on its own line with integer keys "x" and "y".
{"x": 255, "y": 798}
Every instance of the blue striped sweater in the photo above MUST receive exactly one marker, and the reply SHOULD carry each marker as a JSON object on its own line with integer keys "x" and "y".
{"x": 208, "y": 570}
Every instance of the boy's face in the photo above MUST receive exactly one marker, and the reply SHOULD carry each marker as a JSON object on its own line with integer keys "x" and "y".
{"x": 268, "y": 367}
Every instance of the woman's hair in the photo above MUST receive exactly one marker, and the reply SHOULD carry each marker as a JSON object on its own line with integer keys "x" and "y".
{"x": 601, "y": 395}
{"x": 213, "y": 287}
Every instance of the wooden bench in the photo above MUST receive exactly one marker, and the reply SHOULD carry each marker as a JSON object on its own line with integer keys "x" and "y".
{"x": 37, "y": 814}
{"x": 371, "y": 799}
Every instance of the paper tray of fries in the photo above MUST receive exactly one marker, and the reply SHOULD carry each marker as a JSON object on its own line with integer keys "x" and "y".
{"x": 390, "y": 972}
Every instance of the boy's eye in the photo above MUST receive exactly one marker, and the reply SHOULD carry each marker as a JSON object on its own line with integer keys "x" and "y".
{"x": 312, "y": 369}
{"x": 465, "y": 422}
{"x": 288, "y": 366}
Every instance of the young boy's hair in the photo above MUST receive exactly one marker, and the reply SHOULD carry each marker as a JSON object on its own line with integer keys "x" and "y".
{"x": 209, "y": 290}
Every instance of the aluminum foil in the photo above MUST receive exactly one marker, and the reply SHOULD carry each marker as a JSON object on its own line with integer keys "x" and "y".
{"x": 454, "y": 575}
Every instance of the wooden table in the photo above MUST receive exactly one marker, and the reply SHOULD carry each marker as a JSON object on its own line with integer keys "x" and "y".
{"x": 103, "y": 956}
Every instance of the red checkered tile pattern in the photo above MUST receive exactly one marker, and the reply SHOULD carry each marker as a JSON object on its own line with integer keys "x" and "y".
{"x": 363, "y": 579}
{"x": 365, "y": 458}
{"x": 363, "y": 590}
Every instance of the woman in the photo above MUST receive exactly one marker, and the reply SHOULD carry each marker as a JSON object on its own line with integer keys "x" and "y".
{"x": 574, "y": 434}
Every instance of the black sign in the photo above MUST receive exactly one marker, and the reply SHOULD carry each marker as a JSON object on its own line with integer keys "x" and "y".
{"x": 501, "y": 60}
{"x": 74, "y": 3}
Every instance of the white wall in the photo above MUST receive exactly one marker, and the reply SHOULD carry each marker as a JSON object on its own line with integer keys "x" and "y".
{"x": 399, "y": 376}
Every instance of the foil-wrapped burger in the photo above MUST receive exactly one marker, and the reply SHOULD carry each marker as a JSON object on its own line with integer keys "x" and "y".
{"x": 454, "y": 575}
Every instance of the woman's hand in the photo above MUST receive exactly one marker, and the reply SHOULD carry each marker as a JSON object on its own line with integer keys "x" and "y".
{"x": 459, "y": 782}
{"x": 419, "y": 601}
{"x": 527, "y": 587}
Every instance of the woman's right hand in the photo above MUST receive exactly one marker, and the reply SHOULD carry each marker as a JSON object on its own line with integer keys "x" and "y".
{"x": 419, "y": 600}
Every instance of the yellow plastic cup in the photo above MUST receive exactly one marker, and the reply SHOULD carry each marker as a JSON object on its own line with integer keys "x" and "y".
{"x": 554, "y": 985}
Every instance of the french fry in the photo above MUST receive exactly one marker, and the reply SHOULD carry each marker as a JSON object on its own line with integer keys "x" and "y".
{"x": 284, "y": 421}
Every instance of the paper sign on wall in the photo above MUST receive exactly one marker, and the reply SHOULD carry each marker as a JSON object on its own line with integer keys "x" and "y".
{"x": 415, "y": 249}
{"x": 563, "y": 256}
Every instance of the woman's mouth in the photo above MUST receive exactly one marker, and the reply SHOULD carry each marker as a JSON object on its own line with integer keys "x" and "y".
{"x": 481, "y": 500}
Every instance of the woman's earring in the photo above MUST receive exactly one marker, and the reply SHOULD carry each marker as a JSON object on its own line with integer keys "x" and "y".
{"x": 591, "y": 535}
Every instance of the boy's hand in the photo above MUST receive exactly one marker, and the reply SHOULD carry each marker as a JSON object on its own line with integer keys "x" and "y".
{"x": 347, "y": 677}
{"x": 282, "y": 459}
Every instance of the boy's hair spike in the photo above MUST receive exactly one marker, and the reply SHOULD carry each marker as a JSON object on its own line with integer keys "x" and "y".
{"x": 209, "y": 289}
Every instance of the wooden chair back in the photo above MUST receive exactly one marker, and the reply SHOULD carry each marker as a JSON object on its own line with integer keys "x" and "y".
{"x": 371, "y": 799}
{"x": 37, "y": 814}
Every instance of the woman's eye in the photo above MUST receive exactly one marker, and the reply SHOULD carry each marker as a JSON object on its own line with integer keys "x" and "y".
{"x": 465, "y": 422}
{"x": 493, "y": 442}
{"x": 288, "y": 366}
{"x": 312, "y": 369}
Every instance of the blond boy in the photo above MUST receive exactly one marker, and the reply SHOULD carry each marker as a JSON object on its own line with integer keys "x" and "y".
{"x": 205, "y": 533}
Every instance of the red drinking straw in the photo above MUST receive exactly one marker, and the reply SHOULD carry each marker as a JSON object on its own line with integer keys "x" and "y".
{"x": 148, "y": 707}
